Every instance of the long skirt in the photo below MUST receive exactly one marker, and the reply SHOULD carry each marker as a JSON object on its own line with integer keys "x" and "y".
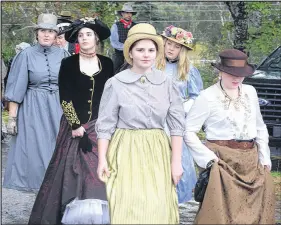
{"x": 140, "y": 188}
{"x": 188, "y": 180}
{"x": 240, "y": 190}
{"x": 71, "y": 182}
{"x": 32, "y": 148}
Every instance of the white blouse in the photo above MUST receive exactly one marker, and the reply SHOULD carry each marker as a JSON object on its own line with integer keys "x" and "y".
{"x": 224, "y": 119}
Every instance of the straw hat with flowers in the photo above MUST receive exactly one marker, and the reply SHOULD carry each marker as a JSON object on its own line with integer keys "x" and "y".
{"x": 178, "y": 35}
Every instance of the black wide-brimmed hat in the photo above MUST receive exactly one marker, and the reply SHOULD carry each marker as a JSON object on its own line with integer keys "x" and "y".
{"x": 94, "y": 24}
{"x": 234, "y": 62}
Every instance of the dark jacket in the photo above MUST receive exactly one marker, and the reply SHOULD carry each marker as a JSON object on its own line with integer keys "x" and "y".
{"x": 80, "y": 94}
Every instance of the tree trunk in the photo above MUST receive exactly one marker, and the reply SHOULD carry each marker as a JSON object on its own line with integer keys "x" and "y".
{"x": 240, "y": 18}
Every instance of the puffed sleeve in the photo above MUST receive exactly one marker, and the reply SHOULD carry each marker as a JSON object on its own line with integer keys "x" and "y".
{"x": 195, "y": 83}
{"x": 18, "y": 78}
{"x": 66, "y": 87}
{"x": 175, "y": 116}
{"x": 195, "y": 119}
{"x": 262, "y": 135}
{"x": 108, "y": 112}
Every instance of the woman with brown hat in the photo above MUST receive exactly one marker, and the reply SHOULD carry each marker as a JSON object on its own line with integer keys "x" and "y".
{"x": 176, "y": 64}
{"x": 34, "y": 108}
{"x": 136, "y": 161}
{"x": 71, "y": 192}
{"x": 240, "y": 188}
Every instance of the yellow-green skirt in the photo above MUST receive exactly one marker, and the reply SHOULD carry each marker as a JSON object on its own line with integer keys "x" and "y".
{"x": 140, "y": 188}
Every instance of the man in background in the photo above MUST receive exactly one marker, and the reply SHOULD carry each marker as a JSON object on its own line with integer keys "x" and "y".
{"x": 119, "y": 33}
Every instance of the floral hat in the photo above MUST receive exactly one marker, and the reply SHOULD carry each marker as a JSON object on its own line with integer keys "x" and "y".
{"x": 178, "y": 35}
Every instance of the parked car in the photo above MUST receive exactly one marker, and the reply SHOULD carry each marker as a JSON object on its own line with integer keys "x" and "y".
{"x": 267, "y": 81}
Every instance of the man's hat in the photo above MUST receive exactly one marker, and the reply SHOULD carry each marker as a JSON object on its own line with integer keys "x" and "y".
{"x": 234, "y": 62}
{"x": 64, "y": 17}
{"x": 127, "y": 8}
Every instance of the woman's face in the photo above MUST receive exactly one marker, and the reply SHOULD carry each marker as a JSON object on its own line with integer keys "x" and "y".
{"x": 46, "y": 37}
{"x": 172, "y": 49}
{"x": 143, "y": 54}
{"x": 229, "y": 81}
{"x": 87, "y": 39}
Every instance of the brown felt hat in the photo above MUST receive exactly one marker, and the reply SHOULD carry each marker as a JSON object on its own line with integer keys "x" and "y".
{"x": 234, "y": 62}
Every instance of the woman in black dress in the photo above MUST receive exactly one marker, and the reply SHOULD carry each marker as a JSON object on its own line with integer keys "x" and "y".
{"x": 71, "y": 193}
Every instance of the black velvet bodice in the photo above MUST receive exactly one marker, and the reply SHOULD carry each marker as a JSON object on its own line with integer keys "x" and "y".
{"x": 80, "y": 94}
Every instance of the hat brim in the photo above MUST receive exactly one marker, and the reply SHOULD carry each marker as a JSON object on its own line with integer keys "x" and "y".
{"x": 47, "y": 27}
{"x": 175, "y": 40}
{"x": 140, "y": 36}
{"x": 64, "y": 20}
{"x": 100, "y": 29}
{"x": 120, "y": 11}
{"x": 245, "y": 71}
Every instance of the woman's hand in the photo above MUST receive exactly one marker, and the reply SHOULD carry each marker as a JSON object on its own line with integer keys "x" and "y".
{"x": 103, "y": 170}
{"x": 177, "y": 171}
{"x": 79, "y": 132}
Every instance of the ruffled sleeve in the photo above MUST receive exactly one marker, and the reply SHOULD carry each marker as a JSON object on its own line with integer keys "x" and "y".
{"x": 175, "y": 117}
{"x": 18, "y": 78}
{"x": 66, "y": 88}
{"x": 108, "y": 112}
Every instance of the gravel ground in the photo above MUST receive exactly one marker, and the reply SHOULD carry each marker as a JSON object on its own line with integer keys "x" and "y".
{"x": 17, "y": 205}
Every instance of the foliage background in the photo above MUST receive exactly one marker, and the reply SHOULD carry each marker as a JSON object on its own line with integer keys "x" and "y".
{"x": 210, "y": 22}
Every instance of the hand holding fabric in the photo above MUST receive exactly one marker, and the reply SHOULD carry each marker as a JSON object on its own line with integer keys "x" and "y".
{"x": 12, "y": 127}
{"x": 79, "y": 132}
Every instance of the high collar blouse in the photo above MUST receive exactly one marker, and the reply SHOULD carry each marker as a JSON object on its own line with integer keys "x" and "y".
{"x": 140, "y": 101}
{"x": 223, "y": 119}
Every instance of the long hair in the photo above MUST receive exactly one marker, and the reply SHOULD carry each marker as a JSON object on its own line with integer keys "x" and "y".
{"x": 183, "y": 64}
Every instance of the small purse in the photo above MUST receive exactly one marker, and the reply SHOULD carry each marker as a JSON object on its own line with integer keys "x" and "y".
{"x": 202, "y": 183}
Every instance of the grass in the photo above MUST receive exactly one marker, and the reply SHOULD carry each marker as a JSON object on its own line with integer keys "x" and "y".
{"x": 5, "y": 116}
{"x": 277, "y": 181}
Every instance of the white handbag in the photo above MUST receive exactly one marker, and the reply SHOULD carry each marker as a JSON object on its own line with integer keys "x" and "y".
{"x": 88, "y": 211}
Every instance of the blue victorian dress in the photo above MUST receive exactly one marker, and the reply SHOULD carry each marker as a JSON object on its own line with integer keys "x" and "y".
{"x": 33, "y": 84}
{"x": 188, "y": 89}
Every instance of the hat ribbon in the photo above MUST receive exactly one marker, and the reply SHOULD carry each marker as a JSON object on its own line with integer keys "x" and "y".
{"x": 233, "y": 62}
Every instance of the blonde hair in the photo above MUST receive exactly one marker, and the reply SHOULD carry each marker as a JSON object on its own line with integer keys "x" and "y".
{"x": 183, "y": 64}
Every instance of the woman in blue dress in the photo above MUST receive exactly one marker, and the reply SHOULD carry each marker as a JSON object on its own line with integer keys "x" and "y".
{"x": 34, "y": 108}
{"x": 177, "y": 65}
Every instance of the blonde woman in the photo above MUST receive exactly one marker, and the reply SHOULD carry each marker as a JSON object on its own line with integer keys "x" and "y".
{"x": 176, "y": 64}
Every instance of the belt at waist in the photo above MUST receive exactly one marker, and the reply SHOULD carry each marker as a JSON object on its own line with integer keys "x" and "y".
{"x": 240, "y": 144}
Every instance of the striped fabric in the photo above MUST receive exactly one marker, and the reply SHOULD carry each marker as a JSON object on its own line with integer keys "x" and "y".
{"x": 140, "y": 188}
